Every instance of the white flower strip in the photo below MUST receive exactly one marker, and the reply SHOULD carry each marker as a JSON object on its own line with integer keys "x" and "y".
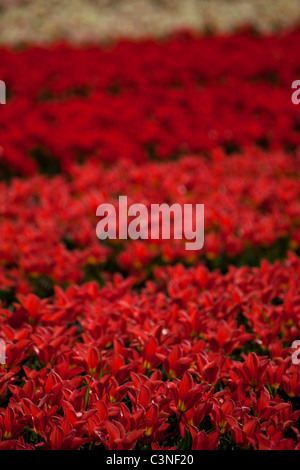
{"x": 24, "y": 21}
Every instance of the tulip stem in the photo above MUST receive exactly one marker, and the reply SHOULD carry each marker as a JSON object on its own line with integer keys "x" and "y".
{"x": 177, "y": 426}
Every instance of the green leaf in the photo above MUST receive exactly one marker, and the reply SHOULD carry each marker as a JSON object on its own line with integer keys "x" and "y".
{"x": 186, "y": 443}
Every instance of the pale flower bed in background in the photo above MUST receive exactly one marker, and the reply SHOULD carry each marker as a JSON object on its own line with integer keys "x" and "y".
{"x": 25, "y": 21}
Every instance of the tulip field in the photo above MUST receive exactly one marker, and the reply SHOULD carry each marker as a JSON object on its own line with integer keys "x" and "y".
{"x": 141, "y": 344}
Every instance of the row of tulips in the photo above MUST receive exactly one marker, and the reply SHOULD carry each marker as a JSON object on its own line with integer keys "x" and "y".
{"x": 150, "y": 99}
{"x": 251, "y": 202}
{"x": 167, "y": 367}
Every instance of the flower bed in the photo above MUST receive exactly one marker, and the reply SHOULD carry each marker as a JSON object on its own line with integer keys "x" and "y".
{"x": 204, "y": 353}
{"x": 146, "y": 100}
{"x": 252, "y": 210}
{"x": 123, "y": 344}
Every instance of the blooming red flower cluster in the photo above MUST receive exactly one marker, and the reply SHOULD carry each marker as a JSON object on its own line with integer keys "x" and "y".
{"x": 118, "y": 368}
{"x": 148, "y": 99}
{"x": 252, "y": 208}
{"x": 123, "y": 344}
